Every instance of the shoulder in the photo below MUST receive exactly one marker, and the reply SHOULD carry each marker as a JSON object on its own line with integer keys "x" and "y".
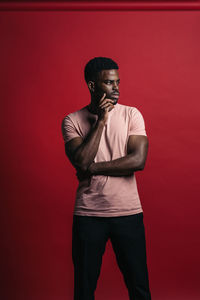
{"x": 130, "y": 110}
{"x": 134, "y": 118}
{"x": 75, "y": 116}
{"x": 70, "y": 124}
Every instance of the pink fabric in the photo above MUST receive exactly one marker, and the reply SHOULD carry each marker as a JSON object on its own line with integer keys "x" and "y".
{"x": 107, "y": 196}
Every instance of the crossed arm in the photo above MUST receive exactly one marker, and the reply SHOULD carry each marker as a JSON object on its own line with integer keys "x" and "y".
{"x": 134, "y": 160}
{"x": 82, "y": 153}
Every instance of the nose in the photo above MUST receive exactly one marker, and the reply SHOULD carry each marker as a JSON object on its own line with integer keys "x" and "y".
{"x": 115, "y": 86}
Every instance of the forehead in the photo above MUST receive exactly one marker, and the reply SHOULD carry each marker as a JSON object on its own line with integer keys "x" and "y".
{"x": 109, "y": 74}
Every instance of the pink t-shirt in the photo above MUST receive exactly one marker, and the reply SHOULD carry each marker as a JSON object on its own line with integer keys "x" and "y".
{"x": 107, "y": 196}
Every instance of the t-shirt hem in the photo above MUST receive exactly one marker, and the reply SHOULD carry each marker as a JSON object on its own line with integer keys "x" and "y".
{"x": 111, "y": 214}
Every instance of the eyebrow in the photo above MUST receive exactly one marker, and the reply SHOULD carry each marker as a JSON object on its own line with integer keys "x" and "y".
{"x": 111, "y": 80}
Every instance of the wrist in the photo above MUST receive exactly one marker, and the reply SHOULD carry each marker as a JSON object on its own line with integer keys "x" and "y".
{"x": 101, "y": 122}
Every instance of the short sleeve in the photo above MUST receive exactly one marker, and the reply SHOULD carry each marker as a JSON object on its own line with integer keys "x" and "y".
{"x": 136, "y": 123}
{"x": 68, "y": 129}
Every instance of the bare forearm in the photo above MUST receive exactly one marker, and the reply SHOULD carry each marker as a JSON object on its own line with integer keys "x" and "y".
{"x": 123, "y": 166}
{"x": 87, "y": 151}
{"x": 83, "y": 155}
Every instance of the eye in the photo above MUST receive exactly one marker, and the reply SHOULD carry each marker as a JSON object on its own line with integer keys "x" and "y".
{"x": 107, "y": 82}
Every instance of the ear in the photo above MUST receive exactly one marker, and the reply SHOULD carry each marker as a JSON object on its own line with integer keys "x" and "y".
{"x": 91, "y": 86}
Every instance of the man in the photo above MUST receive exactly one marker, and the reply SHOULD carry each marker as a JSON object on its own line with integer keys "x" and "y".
{"x": 106, "y": 142}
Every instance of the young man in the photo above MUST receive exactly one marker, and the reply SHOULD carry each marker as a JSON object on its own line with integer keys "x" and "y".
{"x": 106, "y": 142}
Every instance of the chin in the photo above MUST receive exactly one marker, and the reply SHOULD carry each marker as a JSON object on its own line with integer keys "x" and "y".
{"x": 116, "y": 100}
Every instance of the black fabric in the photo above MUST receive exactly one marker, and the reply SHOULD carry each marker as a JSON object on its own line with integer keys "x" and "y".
{"x": 127, "y": 235}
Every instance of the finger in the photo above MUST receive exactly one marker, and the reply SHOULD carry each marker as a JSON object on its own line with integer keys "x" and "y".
{"x": 106, "y": 101}
{"x": 104, "y": 95}
{"x": 107, "y": 105}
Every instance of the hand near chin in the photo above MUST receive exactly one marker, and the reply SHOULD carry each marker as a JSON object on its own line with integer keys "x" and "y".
{"x": 105, "y": 105}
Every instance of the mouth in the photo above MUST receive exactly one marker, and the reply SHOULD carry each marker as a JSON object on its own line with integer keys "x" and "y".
{"x": 115, "y": 94}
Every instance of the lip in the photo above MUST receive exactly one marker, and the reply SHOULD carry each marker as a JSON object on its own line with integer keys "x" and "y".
{"x": 115, "y": 94}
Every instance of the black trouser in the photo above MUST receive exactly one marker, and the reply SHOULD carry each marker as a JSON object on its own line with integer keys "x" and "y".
{"x": 127, "y": 235}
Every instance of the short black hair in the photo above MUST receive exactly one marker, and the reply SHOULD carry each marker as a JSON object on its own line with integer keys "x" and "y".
{"x": 96, "y": 65}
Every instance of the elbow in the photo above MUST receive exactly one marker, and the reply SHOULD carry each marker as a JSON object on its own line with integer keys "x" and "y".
{"x": 140, "y": 165}
{"x": 84, "y": 167}
{"x": 141, "y": 161}
{"x": 81, "y": 164}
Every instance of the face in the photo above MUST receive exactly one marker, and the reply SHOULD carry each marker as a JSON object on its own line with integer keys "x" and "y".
{"x": 107, "y": 82}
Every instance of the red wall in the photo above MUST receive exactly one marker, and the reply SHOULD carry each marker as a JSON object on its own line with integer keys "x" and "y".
{"x": 43, "y": 55}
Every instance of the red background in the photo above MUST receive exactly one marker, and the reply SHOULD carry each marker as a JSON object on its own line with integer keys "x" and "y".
{"x": 43, "y": 55}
